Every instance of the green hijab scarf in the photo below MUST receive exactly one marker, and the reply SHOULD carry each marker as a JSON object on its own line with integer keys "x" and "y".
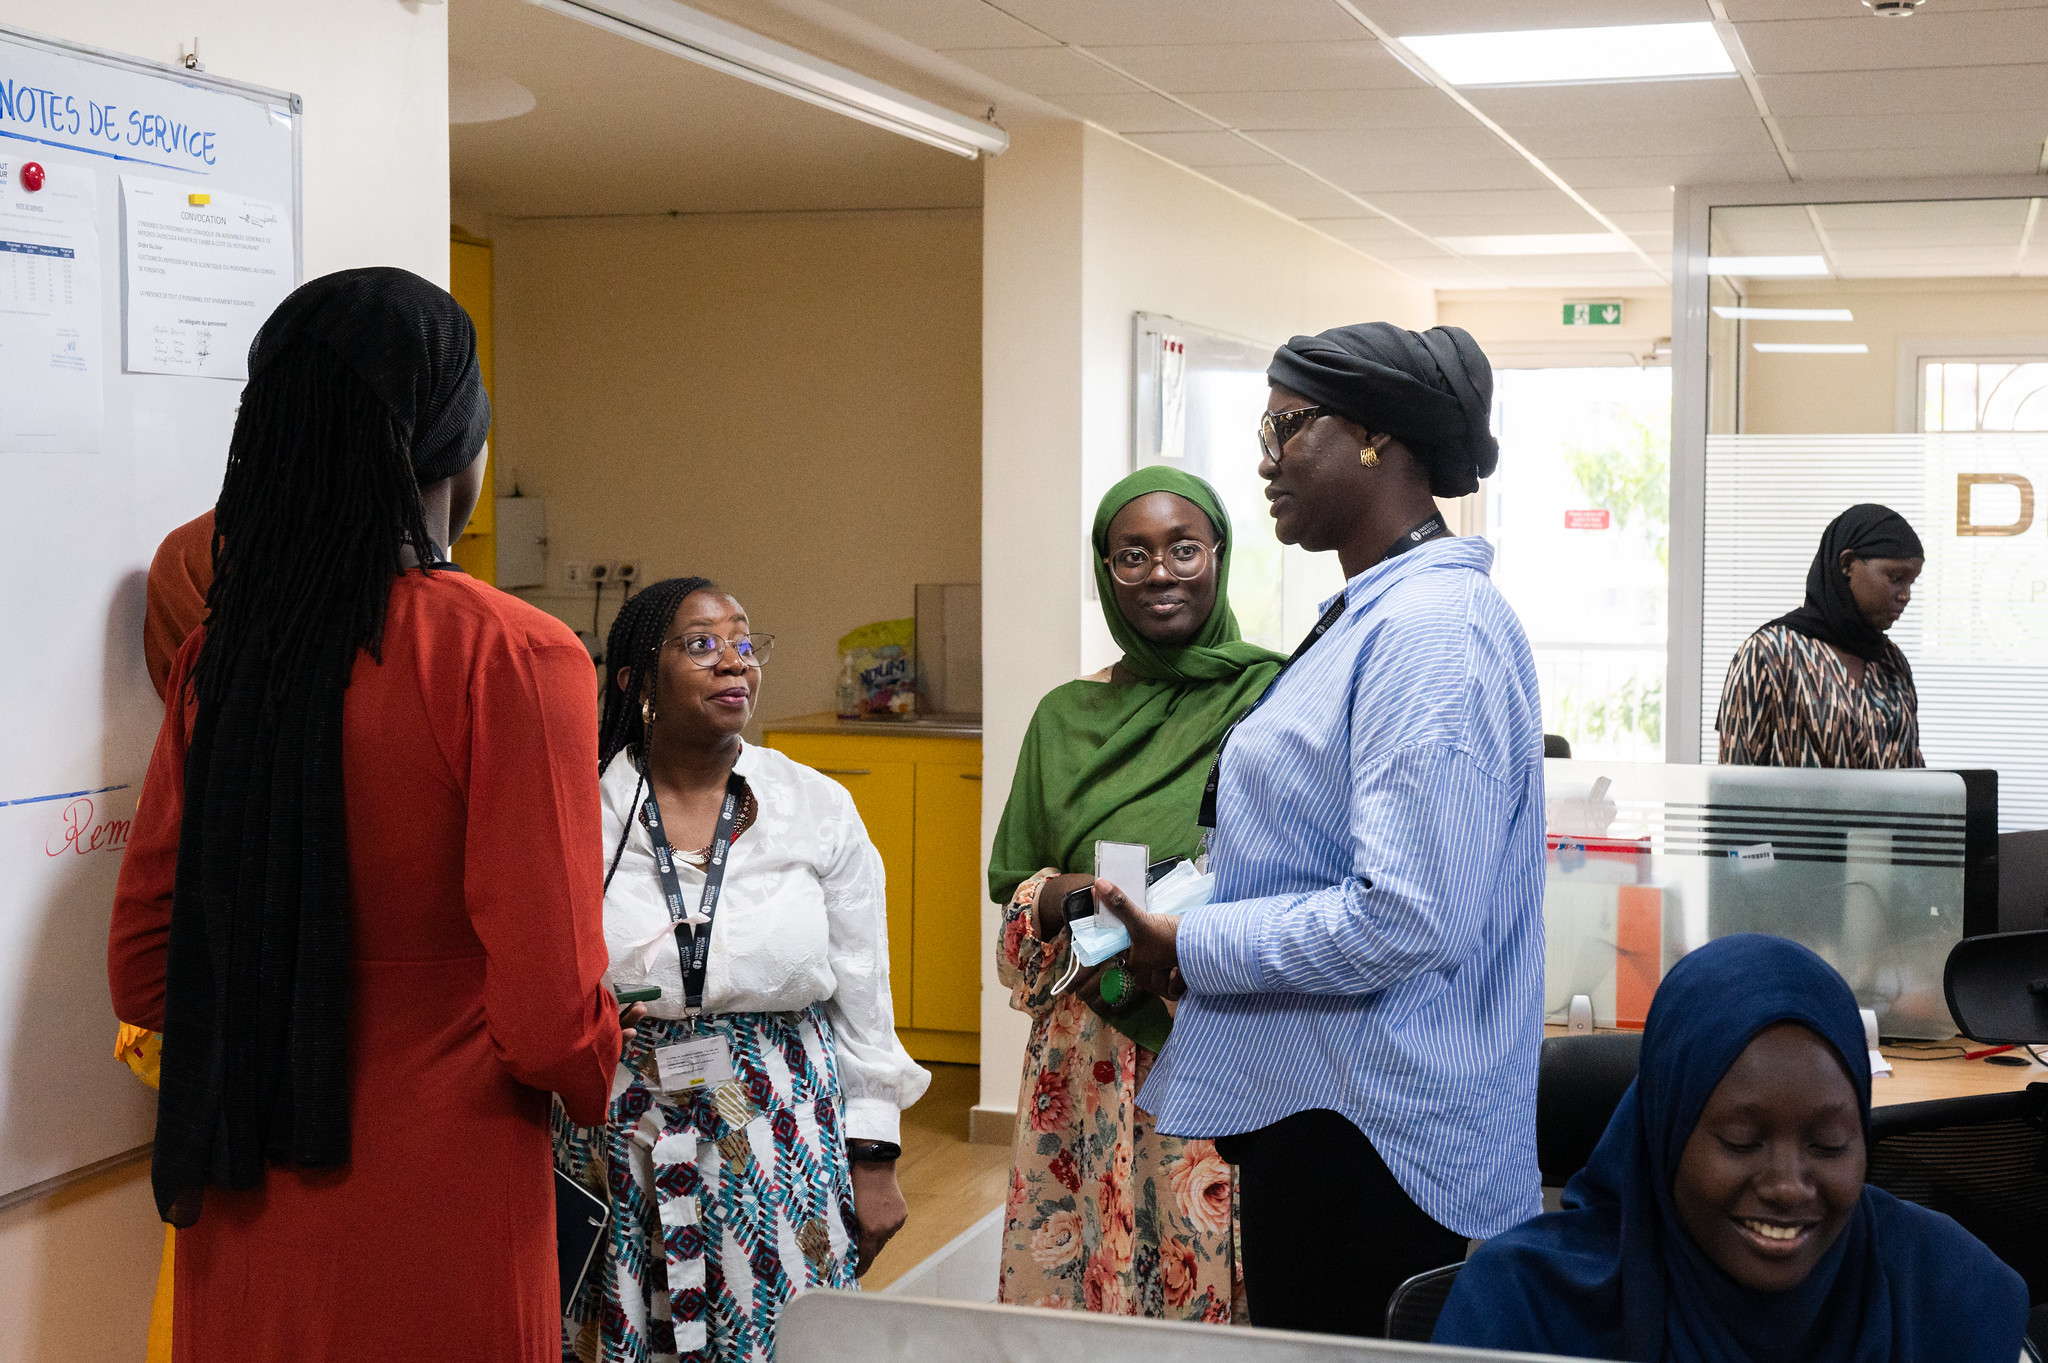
{"x": 1127, "y": 762}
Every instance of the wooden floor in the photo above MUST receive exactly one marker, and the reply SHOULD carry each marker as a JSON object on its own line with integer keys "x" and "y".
{"x": 948, "y": 1183}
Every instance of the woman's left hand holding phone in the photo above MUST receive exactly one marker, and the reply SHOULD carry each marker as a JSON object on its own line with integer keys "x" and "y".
{"x": 1154, "y": 956}
{"x": 632, "y": 1008}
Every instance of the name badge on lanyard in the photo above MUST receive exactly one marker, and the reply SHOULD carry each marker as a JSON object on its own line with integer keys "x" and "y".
{"x": 702, "y": 1063}
{"x": 693, "y": 931}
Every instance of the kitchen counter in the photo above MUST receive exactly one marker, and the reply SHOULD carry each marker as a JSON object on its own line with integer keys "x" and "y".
{"x": 923, "y": 726}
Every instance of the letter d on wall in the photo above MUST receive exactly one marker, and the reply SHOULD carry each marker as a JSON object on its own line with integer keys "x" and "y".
{"x": 1966, "y": 481}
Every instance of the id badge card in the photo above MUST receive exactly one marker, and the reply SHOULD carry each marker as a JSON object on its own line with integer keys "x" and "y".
{"x": 698, "y": 1065}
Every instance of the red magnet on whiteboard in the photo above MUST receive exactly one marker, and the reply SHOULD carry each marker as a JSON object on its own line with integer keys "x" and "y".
{"x": 31, "y": 176}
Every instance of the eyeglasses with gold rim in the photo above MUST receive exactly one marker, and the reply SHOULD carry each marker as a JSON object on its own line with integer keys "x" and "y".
{"x": 707, "y": 650}
{"x": 1184, "y": 560}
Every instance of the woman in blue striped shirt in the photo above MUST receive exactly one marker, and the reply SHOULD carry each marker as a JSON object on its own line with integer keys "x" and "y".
{"x": 1362, "y": 1006}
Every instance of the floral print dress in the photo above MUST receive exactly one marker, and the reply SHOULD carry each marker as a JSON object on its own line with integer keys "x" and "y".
{"x": 1104, "y": 1213}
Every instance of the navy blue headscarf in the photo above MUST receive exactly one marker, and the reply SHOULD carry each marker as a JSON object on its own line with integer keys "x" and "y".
{"x": 1615, "y": 1275}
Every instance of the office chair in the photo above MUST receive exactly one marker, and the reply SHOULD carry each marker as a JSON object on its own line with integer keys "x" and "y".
{"x": 1415, "y": 1305}
{"x": 1579, "y": 1083}
{"x": 1997, "y": 987}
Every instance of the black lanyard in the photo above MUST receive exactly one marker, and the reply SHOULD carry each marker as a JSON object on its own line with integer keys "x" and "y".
{"x": 1427, "y": 530}
{"x": 693, "y": 945}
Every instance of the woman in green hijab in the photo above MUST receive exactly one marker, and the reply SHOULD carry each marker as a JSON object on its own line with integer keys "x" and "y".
{"x": 1104, "y": 1213}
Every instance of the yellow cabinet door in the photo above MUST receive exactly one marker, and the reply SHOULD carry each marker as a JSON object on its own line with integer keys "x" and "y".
{"x": 946, "y": 954}
{"x": 885, "y": 795}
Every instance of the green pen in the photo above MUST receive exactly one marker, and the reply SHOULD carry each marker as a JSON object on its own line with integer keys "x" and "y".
{"x": 632, "y": 996}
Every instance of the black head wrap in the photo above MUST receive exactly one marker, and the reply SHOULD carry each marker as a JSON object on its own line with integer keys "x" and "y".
{"x": 1431, "y": 390}
{"x": 408, "y": 340}
{"x": 362, "y": 387}
{"x": 1830, "y": 614}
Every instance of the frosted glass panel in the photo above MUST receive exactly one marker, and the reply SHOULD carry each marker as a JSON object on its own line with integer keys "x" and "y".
{"x": 1977, "y": 631}
{"x": 1645, "y": 862}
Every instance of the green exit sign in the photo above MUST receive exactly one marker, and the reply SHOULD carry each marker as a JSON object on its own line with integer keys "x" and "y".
{"x": 1592, "y": 314}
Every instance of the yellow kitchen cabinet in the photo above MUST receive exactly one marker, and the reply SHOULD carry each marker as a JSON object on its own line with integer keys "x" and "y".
{"x": 917, "y": 785}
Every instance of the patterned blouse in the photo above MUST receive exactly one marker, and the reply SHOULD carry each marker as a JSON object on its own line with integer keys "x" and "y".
{"x": 1788, "y": 702}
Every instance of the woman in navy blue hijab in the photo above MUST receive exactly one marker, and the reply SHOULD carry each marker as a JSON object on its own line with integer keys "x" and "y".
{"x": 1723, "y": 1218}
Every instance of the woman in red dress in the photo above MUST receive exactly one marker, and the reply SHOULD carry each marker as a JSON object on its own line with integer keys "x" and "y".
{"x": 361, "y": 899}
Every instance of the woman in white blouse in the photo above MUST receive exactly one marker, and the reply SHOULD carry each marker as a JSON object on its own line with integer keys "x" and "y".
{"x": 749, "y": 1148}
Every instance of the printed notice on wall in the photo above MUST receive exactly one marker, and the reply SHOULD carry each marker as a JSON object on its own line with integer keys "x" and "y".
{"x": 50, "y": 397}
{"x": 203, "y": 272}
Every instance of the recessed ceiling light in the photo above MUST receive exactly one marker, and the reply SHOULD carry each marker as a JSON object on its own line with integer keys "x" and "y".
{"x": 1564, "y": 56}
{"x": 1786, "y": 314}
{"x": 1786, "y": 348}
{"x": 1759, "y": 267}
{"x": 1543, "y": 244}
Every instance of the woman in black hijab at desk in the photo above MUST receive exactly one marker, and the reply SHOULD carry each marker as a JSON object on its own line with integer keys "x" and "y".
{"x": 1822, "y": 686}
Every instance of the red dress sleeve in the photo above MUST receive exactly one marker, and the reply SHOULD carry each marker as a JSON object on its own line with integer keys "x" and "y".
{"x": 534, "y": 877}
{"x": 138, "y": 942}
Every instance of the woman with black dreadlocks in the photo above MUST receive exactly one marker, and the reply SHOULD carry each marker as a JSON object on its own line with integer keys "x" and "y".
{"x": 360, "y": 898}
{"x": 750, "y": 1145}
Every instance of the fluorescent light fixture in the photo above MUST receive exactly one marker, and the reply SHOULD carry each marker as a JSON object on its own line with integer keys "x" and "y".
{"x": 1543, "y": 244}
{"x": 1768, "y": 267}
{"x": 1788, "y": 348}
{"x": 1785, "y": 314}
{"x": 1567, "y": 56}
{"x": 683, "y": 32}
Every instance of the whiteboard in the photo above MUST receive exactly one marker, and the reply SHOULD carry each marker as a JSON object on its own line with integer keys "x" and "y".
{"x": 78, "y": 527}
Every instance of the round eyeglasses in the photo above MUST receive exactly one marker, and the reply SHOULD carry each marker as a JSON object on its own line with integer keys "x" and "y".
{"x": 706, "y": 650}
{"x": 1277, "y": 428}
{"x": 1184, "y": 559}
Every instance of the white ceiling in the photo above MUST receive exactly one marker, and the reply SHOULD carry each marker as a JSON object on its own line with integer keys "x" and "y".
{"x": 1304, "y": 105}
{"x": 1923, "y": 240}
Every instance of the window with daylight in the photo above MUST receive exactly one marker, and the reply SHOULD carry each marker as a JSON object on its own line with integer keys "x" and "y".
{"x": 2006, "y": 394}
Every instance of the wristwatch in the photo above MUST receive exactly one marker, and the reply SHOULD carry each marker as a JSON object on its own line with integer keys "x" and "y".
{"x": 873, "y": 1152}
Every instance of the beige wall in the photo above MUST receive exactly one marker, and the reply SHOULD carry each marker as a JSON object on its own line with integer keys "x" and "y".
{"x": 1853, "y": 394}
{"x": 1524, "y": 328}
{"x": 789, "y": 403}
{"x": 1080, "y": 230}
{"x": 79, "y": 1267}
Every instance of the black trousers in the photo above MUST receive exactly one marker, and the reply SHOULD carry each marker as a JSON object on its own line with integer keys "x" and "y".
{"x": 1328, "y": 1233}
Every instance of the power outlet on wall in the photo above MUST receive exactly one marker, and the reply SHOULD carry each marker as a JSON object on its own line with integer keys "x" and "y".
{"x": 626, "y": 572}
{"x": 601, "y": 572}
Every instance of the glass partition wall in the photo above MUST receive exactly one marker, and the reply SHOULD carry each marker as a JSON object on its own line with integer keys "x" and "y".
{"x": 1869, "y": 343}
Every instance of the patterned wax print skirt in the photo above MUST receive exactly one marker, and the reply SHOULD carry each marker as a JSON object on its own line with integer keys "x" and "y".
{"x": 724, "y": 1204}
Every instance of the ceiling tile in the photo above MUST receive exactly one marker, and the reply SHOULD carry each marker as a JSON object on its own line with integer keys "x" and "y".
{"x": 1926, "y": 220}
{"x": 1202, "y": 150}
{"x": 1309, "y": 110}
{"x": 1702, "y": 137}
{"x": 1403, "y": 18}
{"x": 1336, "y": 147}
{"x": 1364, "y": 231}
{"x": 1659, "y": 221}
{"x": 1650, "y": 198}
{"x": 1932, "y": 38}
{"x": 1110, "y": 23}
{"x": 1990, "y": 89}
{"x": 1612, "y": 104}
{"x": 1360, "y": 64}
{"x": 1855, "y": 133}
{"x": 1505, "y": 203}
{"x": 1142, "y": 112}
{"x": 1668, "y": 170}
{"x": 1569, "y": 218}
{"x": 939, "y": 24}
{"x": 1045, "y": 71}
{"x": 1289, "y": 191}
{"x": 1914, "y": 162}
{"x": 1370, "y": 181}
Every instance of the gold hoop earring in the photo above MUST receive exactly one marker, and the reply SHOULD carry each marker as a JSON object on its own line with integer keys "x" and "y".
{"x": 647, "y": 713}
{"x": 1369, "y": 457}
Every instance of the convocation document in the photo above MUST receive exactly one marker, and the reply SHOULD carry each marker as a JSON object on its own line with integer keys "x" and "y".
{"x": 202, "y": 276}
{"x": 50, "y": 396}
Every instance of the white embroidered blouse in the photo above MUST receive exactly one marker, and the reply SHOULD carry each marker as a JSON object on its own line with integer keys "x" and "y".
{"x": 801, "y": 920}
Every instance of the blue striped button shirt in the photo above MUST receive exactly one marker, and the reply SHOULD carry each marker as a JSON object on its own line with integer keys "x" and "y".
{"x": 1376, "y": 947}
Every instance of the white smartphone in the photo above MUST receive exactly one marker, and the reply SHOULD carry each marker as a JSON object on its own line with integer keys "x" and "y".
{"x": 1123, "y": 865}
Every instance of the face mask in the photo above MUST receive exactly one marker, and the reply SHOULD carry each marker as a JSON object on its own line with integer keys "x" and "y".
{"x": 1102, "y": 935}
